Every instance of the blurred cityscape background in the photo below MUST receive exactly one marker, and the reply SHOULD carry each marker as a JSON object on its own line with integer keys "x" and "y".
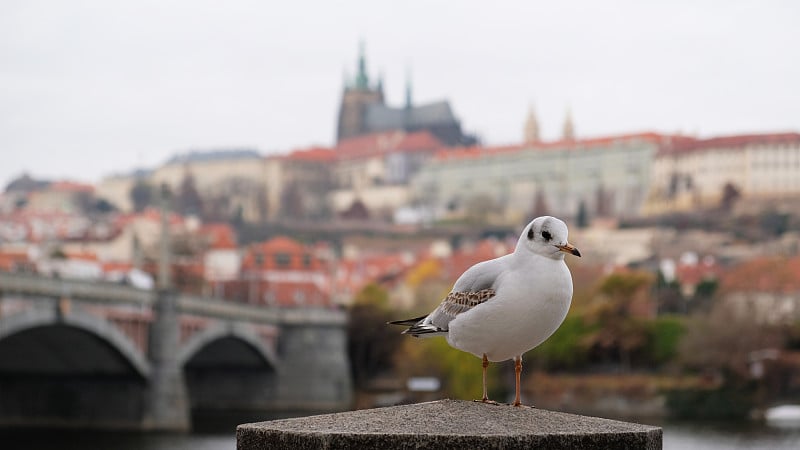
{"x": 155, "y": 276}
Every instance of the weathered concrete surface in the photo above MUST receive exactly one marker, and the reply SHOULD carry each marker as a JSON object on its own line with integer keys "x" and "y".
{"x": 448, "y": 424}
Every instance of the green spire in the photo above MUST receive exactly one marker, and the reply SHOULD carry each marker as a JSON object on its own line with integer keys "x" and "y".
{"x": 362, "y": 80}
{"x": 408, "y": 89}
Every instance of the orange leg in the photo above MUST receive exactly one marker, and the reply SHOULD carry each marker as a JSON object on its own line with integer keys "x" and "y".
{"x": 485, "y": 365}
{"x": 485, "y": 398}
{"x": 517, "y": 372}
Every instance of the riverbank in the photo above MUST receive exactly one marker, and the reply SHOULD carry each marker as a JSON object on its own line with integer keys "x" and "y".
{"x": 619, "y": 396}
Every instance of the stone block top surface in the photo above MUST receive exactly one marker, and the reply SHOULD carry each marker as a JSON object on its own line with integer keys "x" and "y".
{"x": 448, "y": 424}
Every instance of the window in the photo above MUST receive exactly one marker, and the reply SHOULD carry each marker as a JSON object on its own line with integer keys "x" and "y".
{"x": 259, "y": 259}
{"x": 306, "y": 260}
{"x": 299, "y": 297}
{"x": 282, "y": 259}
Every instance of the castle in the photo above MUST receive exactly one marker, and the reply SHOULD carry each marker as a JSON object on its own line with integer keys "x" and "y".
{"x": 364, "y": 111}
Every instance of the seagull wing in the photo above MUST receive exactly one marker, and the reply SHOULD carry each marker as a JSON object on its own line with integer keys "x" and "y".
{"x": 473, "y": 287}
{"x": 454, "y": 304}
{"x": 481, "y": 276}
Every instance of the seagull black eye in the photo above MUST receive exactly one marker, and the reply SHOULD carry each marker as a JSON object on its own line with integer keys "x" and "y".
{"x": 530, "y": 233}
{"x": 546, "y": 235}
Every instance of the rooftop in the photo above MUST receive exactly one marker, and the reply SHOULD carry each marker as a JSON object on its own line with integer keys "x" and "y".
{"x": 387, "y": 142}
{"x": 382, "y": 117}
{"x": 213, "y": 155}
{"x": 481, "y": 152}
{"x": 687, "y": 144}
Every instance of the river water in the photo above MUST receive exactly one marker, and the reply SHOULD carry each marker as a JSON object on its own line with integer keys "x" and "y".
{"x": 676, "y": 437}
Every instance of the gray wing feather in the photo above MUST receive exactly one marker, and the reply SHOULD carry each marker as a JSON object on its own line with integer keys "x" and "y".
{"x": 480, "y": 276}
{"x": 475, "y": 286}
{"x": 456, "y": 303}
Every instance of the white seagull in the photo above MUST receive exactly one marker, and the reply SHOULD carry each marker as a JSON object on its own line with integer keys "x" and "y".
{"x": 501, "y": 308}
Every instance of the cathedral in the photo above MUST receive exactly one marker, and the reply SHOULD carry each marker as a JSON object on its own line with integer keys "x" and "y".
{"x": 364, "y": 111}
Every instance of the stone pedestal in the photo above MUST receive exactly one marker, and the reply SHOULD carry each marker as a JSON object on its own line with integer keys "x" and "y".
{"x": 448, "y": 424}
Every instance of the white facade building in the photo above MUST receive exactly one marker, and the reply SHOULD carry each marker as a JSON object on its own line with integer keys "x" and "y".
{"x": 609, "y": 175}
{"x": 693, "y": 173}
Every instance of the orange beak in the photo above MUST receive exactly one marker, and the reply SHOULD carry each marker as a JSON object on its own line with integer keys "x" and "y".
{"x": 569, "y": 248}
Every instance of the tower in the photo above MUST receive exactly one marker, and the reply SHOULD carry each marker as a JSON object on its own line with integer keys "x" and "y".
{"x": 358, "y": 95}
{"x": 531, "y": 130}
{"x": 409, "y": 103}
{"x": 568, "y": 133}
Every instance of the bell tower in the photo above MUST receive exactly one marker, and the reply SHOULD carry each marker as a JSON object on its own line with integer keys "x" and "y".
{"x": 357, "y": 96}
{"x": 568, "y": 133}
{"x": 531, "y": 130}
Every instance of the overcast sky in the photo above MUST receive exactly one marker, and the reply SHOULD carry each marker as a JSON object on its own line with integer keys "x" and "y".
{"x": 88, "y": 88}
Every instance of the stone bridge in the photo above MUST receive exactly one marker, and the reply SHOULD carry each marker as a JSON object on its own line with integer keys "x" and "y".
{"x": 92, "y": 354}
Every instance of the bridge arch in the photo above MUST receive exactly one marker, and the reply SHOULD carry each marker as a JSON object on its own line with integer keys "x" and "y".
{"x": 225, "y": 330}
{"x": 106, "y": 331}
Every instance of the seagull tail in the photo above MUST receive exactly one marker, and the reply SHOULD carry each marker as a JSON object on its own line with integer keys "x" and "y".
{"x": 418, "y": 328}
{"x": 406, "y": 322}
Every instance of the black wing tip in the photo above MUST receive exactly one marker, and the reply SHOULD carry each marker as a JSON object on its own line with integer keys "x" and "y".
{"x": 406, "y": 321}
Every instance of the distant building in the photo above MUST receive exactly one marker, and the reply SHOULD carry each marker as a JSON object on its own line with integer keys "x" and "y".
{"x": 221, "y": 261}
{"x": 568, "y": 130}
{"x": 695, "y": 173}
{"x": 116, "y": 189}
{"x": 284, "y": 272}
{"x": 61, "y": 197}
{"x": 25, "y": 184}
{"x": 374, "y": 170}
{"x": 231, "y": 182}
{"x": 609, "y": 175}
{"x": 763, "y": 290}
{"x": 530, "y": 134}
{"x": 363, "y": 111}
{"x": 300, "y": 182}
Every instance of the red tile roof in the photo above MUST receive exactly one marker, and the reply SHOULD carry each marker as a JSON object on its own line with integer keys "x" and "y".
{"x": 11, "y": 259}
{"x": 288, "y": 294}
{"x": 687, "y": 144}
{"x": 387, "y": 142}
{"x": 82, "y": 255}
{"x": 221, "y": 236}
{"x": 70, "y": 186}
{"x": 116, "y": 266}
{"x": 693, "y": 274}
{"x": 767, "y": 274}
{"x": 314, "y": 154}
{"x": 419, "y": 141}
{"x": 265, "y": 255}
{"x": 479, "y": 152}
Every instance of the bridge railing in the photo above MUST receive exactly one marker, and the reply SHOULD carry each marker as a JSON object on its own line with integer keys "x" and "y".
{"x": 99, "y": 291}
{"x": 241, "y": 311}
{"x": 105, "y": 292}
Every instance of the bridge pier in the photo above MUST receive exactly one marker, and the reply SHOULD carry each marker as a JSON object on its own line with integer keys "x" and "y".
{"x": 166, "y": 405}
{"x": 314, "y": 370}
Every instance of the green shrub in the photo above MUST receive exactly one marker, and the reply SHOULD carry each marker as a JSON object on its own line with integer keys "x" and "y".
{"x": 725, "y": 403}
{"x": 566, "y": 348}
{"x": 665, "y": 334}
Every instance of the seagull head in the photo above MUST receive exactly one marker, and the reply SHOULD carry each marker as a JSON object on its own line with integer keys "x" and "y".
{"x": 546, "y": 236}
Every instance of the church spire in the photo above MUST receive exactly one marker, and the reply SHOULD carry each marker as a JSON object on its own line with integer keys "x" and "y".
{"x": 408, "y": 89}
{"x": 362, "y": 80}
{"x": 568, "y": 133}
{"x": 531, "y": 130}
